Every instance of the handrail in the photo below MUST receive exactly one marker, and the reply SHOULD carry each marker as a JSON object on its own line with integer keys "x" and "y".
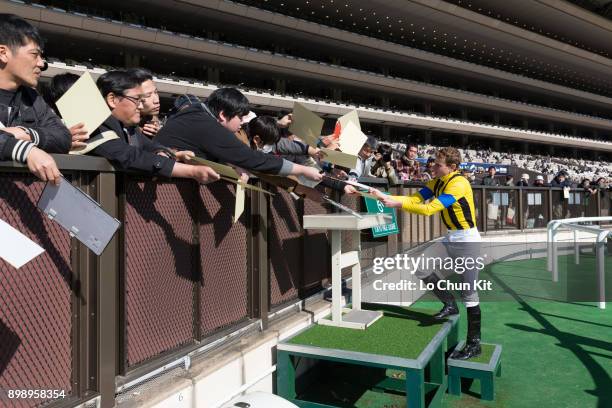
{"x": 93, "y": 163}
{"x": 71, "y": 162}
{"x": 602, "y": 236}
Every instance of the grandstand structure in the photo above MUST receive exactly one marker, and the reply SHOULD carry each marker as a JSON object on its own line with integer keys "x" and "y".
{"x": 187, "y": 305}
{"x": 527, "y": 78}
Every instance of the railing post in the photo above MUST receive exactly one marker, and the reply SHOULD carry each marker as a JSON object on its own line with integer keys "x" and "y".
{"x": 483, "y": 208}
{"x": 197, "y": 272}
{"x": 259, "y": 258}
{"x": 85, "y": 307}
{"x": 555, "y": 261}
{"x": 551, "y": 232}
{"x": 393, "y": 240}
{"x": 550, "y": 208}
{"x": 602, "y": 237}
{"x": 598, "y": 202}
{"x": 400, "y": 221}
{"x": 108, "y": 270}
{"x": 521, "y": 220}
{"x": 576, "y": 248}
{"x": 549, "y": 246}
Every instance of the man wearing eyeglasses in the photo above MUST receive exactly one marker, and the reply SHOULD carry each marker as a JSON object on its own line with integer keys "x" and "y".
{"x": 119, "y": 140}
{"x": 150, "y": 122}
{"x": 28, "y": 127}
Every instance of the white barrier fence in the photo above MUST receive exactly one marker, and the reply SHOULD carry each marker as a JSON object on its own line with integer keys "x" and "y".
{"x": 574, "y": 224}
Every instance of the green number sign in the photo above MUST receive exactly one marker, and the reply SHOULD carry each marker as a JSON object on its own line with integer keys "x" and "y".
{"x": 376, "y": 207}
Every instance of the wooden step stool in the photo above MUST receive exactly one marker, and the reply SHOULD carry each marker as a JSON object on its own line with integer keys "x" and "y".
{"x": 475, "y": 369}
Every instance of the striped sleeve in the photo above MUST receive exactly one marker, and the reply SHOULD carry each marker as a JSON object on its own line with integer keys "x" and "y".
{"x": 33, "y": 134}
{"x": 21, "y": 150}
{"x": 14, "y": 149}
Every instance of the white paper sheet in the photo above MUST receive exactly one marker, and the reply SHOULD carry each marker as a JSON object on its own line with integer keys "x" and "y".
{"x": 16, "y": 248}
{"x": 492, "y": 211}
{"x": 351, "y": 139}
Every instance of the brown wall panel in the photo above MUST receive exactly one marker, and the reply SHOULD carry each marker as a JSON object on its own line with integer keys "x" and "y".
{"x": 160, "y": 267}
{"x": 223, "y": 255}
{"x": 285, "y": 248}
{"x": 35, "y": 301}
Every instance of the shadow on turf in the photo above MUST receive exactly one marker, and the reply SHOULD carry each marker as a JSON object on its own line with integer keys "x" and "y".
{"x": 573, "y": 343}
{"x": 424, "y": 317}
{"x": 576, "y": 320}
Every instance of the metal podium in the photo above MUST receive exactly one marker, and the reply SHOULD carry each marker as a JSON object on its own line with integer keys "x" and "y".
{"x": 353, "y": 318}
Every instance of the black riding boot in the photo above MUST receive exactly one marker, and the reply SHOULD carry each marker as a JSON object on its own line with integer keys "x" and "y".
{"x": 450, "y": 306}
{"x": 472, "y": 344}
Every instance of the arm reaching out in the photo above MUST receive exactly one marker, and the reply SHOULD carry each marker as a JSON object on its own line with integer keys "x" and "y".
{"x": 452, "y": 193}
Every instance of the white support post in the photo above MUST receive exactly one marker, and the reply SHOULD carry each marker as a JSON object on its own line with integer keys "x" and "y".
{"x": 555, "y": 260}
{"x": 602, "y": 238}
{"x": 336, "y": 258}
{"x": 356, "y": 271}
{"x": 355, "y": 317}
{"x": 549, "y": 246}
{"x": 576, "y": 248}
{"x": 600, "y": 247}
{"x": 551, "y": 232}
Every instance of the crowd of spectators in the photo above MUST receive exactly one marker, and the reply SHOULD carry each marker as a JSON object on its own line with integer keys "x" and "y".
{"x": 572, "y": 172}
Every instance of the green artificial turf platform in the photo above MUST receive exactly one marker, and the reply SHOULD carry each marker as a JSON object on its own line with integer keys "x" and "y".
{"x": 485, "y": 357}
{"x": 557, "y": 353}
{"x": 401, "y": 332}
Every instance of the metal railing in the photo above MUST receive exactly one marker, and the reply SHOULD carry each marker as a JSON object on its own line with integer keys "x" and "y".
{"x": 601, "y": 238}
{"x": 180, "y": 277}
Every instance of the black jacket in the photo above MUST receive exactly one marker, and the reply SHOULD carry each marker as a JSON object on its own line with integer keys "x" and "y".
{"x": 556, "y": 183}
{"x": 133, "y": 150}
{"x": 29, "y": 110}
{"x": 196, "y": 129}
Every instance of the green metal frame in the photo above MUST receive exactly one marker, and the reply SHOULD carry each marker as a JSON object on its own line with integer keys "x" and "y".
{"x": 458, "y": 369}
{"x": 423, "y": 374}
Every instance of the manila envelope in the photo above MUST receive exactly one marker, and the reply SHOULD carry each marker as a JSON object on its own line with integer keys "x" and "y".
{"x": 84, "y": 103}
{"x": 306, "y": 125}
{"x": 350, "y": 117}
{"x": 340, "y": 158}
